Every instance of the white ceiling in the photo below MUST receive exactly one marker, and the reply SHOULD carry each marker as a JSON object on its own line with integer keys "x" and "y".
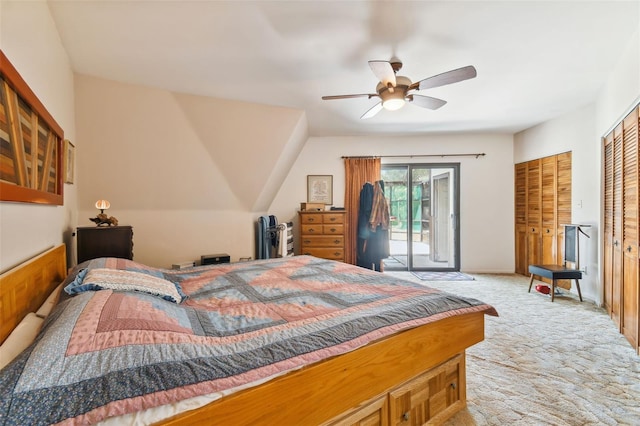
{"x": 535, "y": 59}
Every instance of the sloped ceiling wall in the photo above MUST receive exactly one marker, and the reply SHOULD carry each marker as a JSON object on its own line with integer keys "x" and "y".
{"x": 153, "y": 153}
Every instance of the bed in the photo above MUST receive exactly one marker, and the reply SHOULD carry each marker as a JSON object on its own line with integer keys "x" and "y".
{"x": 288, "y": 341}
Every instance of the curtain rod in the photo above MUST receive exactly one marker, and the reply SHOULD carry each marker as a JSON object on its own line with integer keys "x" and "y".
{"x": 481, "y": 154}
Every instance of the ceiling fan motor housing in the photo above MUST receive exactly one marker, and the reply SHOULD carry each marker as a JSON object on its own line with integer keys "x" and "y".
{"x": 394, "y": 98}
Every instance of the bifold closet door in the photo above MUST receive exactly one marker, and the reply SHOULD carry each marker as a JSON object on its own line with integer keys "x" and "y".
{"x": 562, "y": 208}
{"x": 629, "y": 326}
{"x": 616, "y": 280}
{"x": 534, "y": 212}
{"x": 607, "y": 258}
{"x": 522, "y": 266}
{"x": 549, "y": 174}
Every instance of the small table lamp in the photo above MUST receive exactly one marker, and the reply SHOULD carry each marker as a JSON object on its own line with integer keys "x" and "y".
{"x": 102, "y": 205}
{"x": 102, "y": 218}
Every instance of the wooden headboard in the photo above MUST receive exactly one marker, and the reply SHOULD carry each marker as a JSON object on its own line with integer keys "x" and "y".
{"x": 24, "y": 288}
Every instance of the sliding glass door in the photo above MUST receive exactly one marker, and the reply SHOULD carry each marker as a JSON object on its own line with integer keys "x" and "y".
{"x": 424, "y": 203}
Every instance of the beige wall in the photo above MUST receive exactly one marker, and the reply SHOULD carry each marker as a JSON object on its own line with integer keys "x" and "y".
{"x": 191, "y": 174}
{"x": 486, "y": 186}
{"x": 29, "y": 39}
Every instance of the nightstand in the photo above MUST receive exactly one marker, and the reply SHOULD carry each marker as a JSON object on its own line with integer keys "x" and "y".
{"x": 105, "y": 241}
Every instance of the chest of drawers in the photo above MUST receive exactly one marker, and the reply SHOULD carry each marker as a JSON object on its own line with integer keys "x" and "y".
{"x": 105, "y": 241}
{"x": 322, "y": 234}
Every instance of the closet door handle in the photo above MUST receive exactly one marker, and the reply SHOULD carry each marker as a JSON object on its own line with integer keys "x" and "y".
{"x": 629, "y": 249}
{"x": 615, "y": 243}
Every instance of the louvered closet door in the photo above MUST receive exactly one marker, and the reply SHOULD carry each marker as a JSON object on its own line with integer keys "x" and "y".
{"x": 534, "y": 217}
{"x": 608, "y": 224}
{"x": 563, "y": 208}
{"x": 617, "y": 227}
{"x": 548, "y": 210}
{"x": 630, "y": 230}
{"x": 521, "y": 218}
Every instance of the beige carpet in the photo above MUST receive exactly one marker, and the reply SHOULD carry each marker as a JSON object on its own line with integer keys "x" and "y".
{"x": 543, "y": 363}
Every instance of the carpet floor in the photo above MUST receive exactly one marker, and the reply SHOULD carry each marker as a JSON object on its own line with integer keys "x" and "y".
{"x": 544, "y": 363}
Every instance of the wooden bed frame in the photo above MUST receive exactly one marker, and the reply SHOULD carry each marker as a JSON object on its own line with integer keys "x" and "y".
{"x": 24, "y": 288}
{"x": 413, "y": 377}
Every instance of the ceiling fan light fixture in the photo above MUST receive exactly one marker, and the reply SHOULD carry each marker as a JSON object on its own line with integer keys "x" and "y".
{"x": 393, "y": 104}
{"x": 392, "y": 101}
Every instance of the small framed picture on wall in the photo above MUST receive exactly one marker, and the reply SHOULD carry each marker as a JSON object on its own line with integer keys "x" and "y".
{"x": 320, "y": 189}
{"x": 69, "y": 160}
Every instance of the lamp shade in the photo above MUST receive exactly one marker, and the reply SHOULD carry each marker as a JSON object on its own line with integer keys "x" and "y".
{"x": 102, "y": 204}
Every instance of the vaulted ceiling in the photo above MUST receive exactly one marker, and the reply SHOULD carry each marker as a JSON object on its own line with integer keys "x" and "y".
{"x": 535, "y": 60}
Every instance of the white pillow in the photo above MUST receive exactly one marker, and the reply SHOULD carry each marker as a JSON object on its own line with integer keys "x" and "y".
{"x": 20, "y": 338}
{"x": 48, "y": 304}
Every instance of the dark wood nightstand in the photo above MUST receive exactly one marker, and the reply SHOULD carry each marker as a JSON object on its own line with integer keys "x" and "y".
{"x": 105, "y": 241}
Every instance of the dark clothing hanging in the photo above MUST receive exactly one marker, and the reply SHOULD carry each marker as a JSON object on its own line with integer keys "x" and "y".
{"x": 373, "y": 226}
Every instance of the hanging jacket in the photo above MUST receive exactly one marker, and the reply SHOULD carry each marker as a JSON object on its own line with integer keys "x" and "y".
{"x": 380, "y": 208}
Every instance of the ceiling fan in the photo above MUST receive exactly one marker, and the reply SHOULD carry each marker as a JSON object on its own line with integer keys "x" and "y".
{"x": 394, "y": 90}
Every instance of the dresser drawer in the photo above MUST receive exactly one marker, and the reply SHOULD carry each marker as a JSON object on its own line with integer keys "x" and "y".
{"x": 309, "y": 218}
{"x": 332, "y": 253}
{"x": 312, "y": 229}
{"x": 333, "y": 218}
{"x": 337, "y": 229}
{"x": 322, "y": 240}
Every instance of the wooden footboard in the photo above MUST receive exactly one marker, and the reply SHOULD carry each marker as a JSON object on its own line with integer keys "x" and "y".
{"x": 378, "y": 379}
{"x": 24, "y": 288}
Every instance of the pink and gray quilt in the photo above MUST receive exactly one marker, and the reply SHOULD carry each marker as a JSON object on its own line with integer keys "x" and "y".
{"x": 108, "y": 352}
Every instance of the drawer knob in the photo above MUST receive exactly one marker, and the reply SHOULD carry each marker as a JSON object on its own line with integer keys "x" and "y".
{"x": 332, "y": 219}
{"x": 337, "y": 254}
{"x": 453, "y": 385}
{"x": 310, "y": 219}
{"x": 311, "y": 230}
{"x": 307, "y": 241}
{"x": 406, "y": 416}
{"x": 333, "y": 230}
{"x": 338, "y": 242}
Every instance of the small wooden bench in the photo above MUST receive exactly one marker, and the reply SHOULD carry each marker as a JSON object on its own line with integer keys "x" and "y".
{"x": 555, "y": 272}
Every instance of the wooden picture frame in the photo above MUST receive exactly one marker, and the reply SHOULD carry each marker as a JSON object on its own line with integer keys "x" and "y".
{"x": 69, "y": 161}
{"x": 31, "y": 169}
{"x": 320, "y": 189}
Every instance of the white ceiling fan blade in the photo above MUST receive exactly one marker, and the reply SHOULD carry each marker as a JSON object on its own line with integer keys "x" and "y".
{"x": 426, "y": 101}
{"x": 372, "y": 111}
{"x": 384, "y": 72}
{"x": 360, "y": 95}
{"x": 445, "y": 78}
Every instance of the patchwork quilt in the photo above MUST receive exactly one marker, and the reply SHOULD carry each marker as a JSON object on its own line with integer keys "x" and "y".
{"x": 110, "y": 350}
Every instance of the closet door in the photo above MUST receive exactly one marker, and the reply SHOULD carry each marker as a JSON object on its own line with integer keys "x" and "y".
{"x": 563, "y": 208}
{"x": 617, "y": 227}
{"x": 522, "y": 266}
{"x": 629, "y": 326}
{"x": 548, "y": 210}
{"x": 607, "y": 260}
{"x": 534, "y": 216}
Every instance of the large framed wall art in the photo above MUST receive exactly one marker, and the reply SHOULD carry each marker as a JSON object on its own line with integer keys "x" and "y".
{"x": 30, "y": 143}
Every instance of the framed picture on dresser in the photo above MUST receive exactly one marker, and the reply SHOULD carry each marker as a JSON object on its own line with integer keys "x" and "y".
{"x": 320, "y": 189}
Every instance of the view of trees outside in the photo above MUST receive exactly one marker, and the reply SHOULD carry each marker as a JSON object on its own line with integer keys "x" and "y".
{"x": 396, "y": 193}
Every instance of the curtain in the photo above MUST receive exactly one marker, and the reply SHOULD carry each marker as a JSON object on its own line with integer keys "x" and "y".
{"x": 358, "y": 171}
